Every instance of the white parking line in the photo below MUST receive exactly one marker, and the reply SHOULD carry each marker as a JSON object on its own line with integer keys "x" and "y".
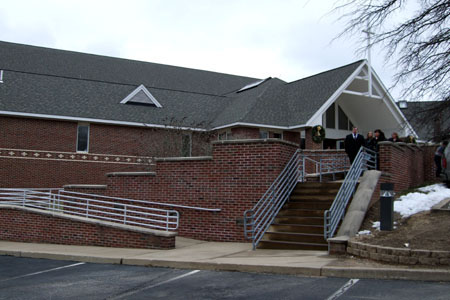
{"x": 154, "y": 285}
{"x": 343, "y": 289}
{"x": 45, "y": 271}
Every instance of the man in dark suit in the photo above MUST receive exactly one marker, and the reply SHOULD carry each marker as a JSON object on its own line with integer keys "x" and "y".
{"x": 352, "y": 143}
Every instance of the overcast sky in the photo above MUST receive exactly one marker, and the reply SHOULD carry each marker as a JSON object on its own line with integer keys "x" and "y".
{"x": 259, "y": 38}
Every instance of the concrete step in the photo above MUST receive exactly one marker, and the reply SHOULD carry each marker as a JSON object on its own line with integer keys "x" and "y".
{"x": 306, "y": 204}
{"x": 295, "y": 228}
{"x": 294, "y": 237}
{"x": 314, "y": 191}
{"x": 316, "y": 185}
{"x": 306, "y": 197}
{"x": 299, "y": 220}
{"x": 291, "y": 245}
{"x": 301, "y": 213}
{"x": 322, "y": 205}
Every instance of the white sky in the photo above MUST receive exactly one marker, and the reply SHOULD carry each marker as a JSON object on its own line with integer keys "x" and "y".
{"x": 258, "y": 38}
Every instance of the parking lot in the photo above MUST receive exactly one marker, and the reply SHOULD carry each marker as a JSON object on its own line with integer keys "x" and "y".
{"x": 27, "y": 278}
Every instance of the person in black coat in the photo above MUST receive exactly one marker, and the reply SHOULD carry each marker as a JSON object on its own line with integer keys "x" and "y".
{"x": 379, "y": 137}
{"x": 352, "y": 143}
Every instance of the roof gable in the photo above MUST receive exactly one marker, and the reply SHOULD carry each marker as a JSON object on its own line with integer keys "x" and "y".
{"x": 141, "y": 96}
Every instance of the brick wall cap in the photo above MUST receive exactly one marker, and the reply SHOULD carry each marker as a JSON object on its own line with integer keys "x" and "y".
{"x": 255, "y": 141}
{"x": 339, "y": 239}
{"x": 86, "y": 186}
{"x": 396, "y": 145}
{"x": 91, "y": 221}
{"x": 412, "y": 145}
{"x": 131, "y": 174}
{"x": 192, "y": 158}
{"x": 323, "y": 150}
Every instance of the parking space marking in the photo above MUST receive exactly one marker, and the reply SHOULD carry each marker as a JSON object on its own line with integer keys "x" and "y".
{"x": 45, "y": 271}
{"x": 343, "y": 289}
{"x": 130, "y": 293}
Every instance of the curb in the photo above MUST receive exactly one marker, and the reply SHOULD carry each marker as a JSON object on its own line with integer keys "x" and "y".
{"x": 327, "y": 271}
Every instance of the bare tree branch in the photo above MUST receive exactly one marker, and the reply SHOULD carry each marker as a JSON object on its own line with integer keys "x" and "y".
{"x": 420, "y": 44}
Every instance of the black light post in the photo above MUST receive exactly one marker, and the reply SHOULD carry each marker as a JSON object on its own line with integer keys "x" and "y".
{"x": 386, "y": 206}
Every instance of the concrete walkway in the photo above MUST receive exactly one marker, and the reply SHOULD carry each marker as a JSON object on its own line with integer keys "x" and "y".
{"x": 193, "y": 254}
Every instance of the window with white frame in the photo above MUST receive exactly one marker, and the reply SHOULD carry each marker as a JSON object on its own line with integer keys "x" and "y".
{"x": 83, "y": 137}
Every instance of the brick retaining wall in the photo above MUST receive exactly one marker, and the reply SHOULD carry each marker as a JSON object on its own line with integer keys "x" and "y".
{"x": 233, "y": 180}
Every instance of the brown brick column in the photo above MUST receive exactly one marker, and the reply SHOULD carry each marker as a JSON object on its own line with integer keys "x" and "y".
{"x": 309, "y": 144}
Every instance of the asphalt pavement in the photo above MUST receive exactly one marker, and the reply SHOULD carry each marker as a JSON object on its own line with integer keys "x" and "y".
{"x": 30, "y": 278}
{"x": 215, "y": 256}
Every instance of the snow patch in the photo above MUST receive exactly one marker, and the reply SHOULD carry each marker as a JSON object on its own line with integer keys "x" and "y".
{"x": 364, "y": 232}
{"x": 376, "y": 225}
{"x": 423, "y": 200}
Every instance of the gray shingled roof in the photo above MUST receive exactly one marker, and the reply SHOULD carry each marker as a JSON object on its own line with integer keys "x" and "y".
{"x": 276, "y": 102}
{"x": 63, "y": 83}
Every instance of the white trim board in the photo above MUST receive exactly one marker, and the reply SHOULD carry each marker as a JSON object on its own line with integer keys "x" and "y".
{"x": 92, "y": 120}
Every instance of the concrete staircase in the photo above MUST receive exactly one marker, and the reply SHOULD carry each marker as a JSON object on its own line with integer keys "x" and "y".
{"x": 300, "y": 223}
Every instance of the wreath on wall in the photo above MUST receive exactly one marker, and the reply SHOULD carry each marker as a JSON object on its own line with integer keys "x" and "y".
{"x": 318, "y": 134}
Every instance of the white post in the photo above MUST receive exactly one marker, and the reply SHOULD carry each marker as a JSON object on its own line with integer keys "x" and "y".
{"x": 369, "y": 46}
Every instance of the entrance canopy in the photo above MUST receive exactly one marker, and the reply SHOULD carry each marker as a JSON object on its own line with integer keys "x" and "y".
{"x": 364, "y": 102}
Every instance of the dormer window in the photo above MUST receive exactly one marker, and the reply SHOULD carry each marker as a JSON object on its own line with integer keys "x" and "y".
{"x": 141, "y": 96}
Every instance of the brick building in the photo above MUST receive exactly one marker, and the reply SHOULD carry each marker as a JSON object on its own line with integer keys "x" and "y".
{"x": 68, "y": 117}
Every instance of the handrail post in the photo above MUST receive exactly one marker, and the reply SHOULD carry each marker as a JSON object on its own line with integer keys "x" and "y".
{"x": 87, "y": 208}
{"x": 320, "y": 170}
{"x": 303, "y": 168}
{"x": 167, "y": 220}
{"x": 24, "y": 197}
{"x": 124, "y": 214}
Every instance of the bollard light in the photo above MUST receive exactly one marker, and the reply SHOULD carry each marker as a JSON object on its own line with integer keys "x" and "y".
{"x": 386, "y": 206}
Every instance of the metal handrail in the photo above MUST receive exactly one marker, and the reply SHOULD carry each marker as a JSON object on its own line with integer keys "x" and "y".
{"x": 326, "y": 164}
{"x": 365, "y": 159}
{"x": 90, "y": 207}
{"x": 258, "y": 219}
{"x": 144, "y": 201}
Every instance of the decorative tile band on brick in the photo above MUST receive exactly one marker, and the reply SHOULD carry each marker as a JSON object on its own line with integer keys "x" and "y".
{"x": 31, "y": 225}
{"x": 398, "y": 255}
{"x": 74, "y": 156}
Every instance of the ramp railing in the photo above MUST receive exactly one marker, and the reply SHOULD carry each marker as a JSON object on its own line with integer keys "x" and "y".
{"x": 365, "y": 159}
{"x": 125, "y": 211}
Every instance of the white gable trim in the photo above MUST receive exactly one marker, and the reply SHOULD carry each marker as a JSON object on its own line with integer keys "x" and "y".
{"x": 146, "y": 92}
{"x": 334, "y": 97}
{"x": 385, "y": 96}
{"x": 392, "y": 106}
